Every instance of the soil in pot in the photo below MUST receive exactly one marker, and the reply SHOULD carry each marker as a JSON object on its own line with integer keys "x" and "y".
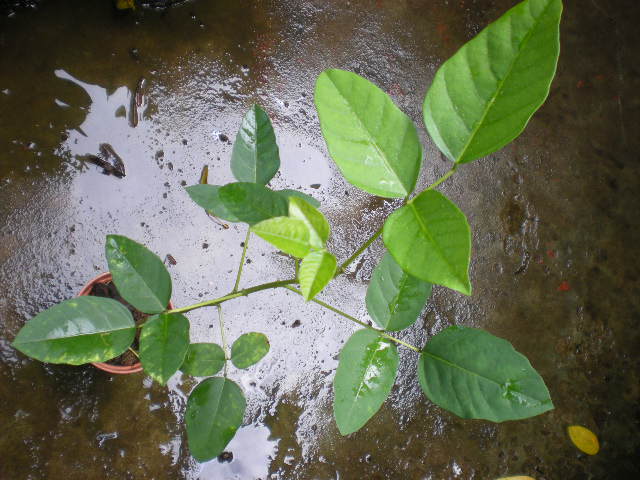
{"x": 108, "y": 290}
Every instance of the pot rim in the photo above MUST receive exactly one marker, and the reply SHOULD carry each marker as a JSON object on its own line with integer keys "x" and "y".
{"x": 107, "y": 367}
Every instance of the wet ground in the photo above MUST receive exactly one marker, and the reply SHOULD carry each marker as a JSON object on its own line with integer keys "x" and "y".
{"x": 554, "y": 215}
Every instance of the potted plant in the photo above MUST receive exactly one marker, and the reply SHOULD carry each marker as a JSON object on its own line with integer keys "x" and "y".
{"x": 480, "y": 100}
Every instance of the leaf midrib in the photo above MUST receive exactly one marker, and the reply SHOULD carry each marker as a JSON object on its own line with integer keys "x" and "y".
{"x": 214, "y": 417}
{"x": 472, "y": 373}
{"x": 361, "y": 385}
{"x": 44, "y": 340}
{"x": 489, "y": 106}
{"x": 133, "y": 268}
{"x": 424, "y": 228}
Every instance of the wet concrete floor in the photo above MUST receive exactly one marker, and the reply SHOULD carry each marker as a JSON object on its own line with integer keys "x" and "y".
{"x": 554, "y": 215}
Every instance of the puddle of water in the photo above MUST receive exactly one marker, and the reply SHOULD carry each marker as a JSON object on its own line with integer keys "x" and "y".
{"x": 553, "y": 232}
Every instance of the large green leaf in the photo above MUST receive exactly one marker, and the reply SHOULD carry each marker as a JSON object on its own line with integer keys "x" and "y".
{"x": 483, "y": 96}
{"x": 203, "y": 359}
{"x": 215, "y": 410}
{"x": 295, "y": 193}
{"x": 372, "y": 141}
{"x": 164, "y": 341}
{"x": 290, "y": 235}
{"x": 80, "y": 330}
{"x": 395, "y": 298}
{"x": 430, "y": 239}
{"x": 316, "y": 271}
{"x": 207, "y": 197}
{"x": 314, "y": 220}
{"x": 255, "y": 156}
{"x": 252, "y": 203}
{"x": 249, "y": 349}
{"x": 476, "y": 375}
{"x": 138, "y": 274}
{"x": 366, "y": 372}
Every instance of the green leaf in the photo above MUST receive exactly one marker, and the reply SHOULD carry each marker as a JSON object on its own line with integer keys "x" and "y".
{"x": 475, "y": 375}
{"x": 255, "y": 156}
{"x": 77, "y": 331}
{"x": 249, "y": 349}
{"x": 290, "y": 235}
{"x": 138, "y": 274}
{"x": 313, "y": 219}
{"x": 203, "y": 359}
{"x": 395, "y": 298}
{"x": 207, "y": 197}
{"x": 366, "y": 372}
{"x": 372, "y": 141}
{"x": 295, "y": 193}
{"x": 316, "y": 271}
{"x": 215, "y": 410}
{"x": 164, "y": 341}
{"x": 430, "y": 239}
{"x": 483, "y": 96}
{"x": 252, "y": 203}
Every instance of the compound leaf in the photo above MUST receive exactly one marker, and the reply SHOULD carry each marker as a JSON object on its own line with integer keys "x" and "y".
{"x": 249, "y": 349}
{"x": 77, "y": 331}
{"x": 430, "y": 239}
{"x": 290, "y": 235}
{"x": 203, "y": 359}
{"x": 314, "y": 220}
{"x": 164, "y": 341}
{"x": 316, "y": 271}
{"x": 366, "y": 372}
{"x": 138, "y": 274}
{"x": 252, "y": 203}
{"x": 374, "y": 144}
{"x": 484, "y": 95}
{"x": 255, "y": 157}
{"x": 215, "y": 410}
{"x": 207, "y": 196}
{"x": 476, "y": 375}
{"x": 395, "y": 298}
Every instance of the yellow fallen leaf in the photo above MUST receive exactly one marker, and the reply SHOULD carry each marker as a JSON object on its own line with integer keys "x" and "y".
{"x": 204, "y": 175}
{"x": 125, "y": 4}
{"x": 517, "y": 477}
{"x": 584, "y": 439}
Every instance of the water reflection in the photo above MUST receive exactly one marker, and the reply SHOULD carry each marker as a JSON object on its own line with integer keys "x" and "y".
{"x": 252, "y": 448}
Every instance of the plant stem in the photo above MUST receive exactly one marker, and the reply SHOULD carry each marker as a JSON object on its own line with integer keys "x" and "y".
{"x": 240, "y": 293}
{"x": 451, "y": 171}
{"x": 358, "y": 252}
{"x": 224, "y": 339}
{"x": 354, "y": 319}
{"x": 134, "y": 352}
{"x": 244, "y": 253}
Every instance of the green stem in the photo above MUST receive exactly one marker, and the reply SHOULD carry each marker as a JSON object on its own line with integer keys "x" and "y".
{"x": 224, "y": 339}
{"x": 451, "y": 171}
{"x": 244, "y": 253}
{"x": 358, "y": 252}
{"x": 134, "y": 352}
{"x": 240, "y": 293}
{"x": 354, "y": 319}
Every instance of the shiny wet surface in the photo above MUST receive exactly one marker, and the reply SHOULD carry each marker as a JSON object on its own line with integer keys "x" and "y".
{"x": 554, "y": 217}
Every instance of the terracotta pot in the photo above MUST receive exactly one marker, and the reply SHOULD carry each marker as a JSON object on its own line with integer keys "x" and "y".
{"x": 107, "y": 367}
